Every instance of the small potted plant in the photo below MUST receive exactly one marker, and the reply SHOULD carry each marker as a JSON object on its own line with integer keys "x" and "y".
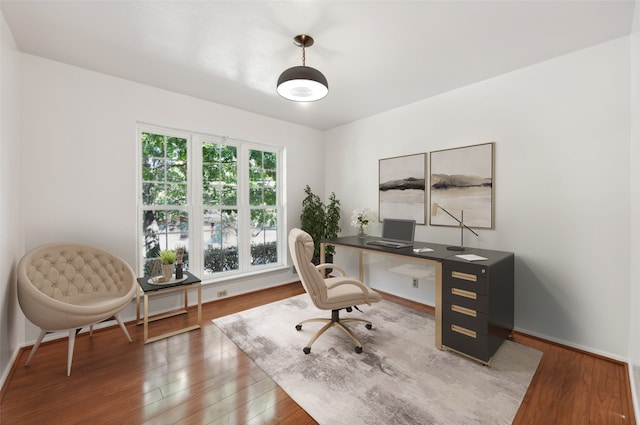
{"x": 167, "y": 258}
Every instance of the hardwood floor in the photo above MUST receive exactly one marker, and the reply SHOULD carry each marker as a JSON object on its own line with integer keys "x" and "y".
{"x": 201, "y": 377}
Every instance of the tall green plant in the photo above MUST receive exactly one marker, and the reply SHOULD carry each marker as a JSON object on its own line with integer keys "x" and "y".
{"x": 332, "y": 221}
{"x": 320, "y": 221}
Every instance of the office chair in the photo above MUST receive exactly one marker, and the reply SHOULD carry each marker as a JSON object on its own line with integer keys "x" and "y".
{"x": 333, "y": 293}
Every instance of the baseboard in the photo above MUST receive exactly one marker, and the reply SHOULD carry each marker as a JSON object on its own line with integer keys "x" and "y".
{"x": 8, "y": 372}
{"x": 571, "y": 346}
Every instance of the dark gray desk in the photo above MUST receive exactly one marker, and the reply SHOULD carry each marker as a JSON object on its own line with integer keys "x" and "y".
{"x": 474, "y": 300}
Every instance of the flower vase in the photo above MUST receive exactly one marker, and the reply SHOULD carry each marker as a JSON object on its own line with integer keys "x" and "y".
{"x": 361, "y": 233}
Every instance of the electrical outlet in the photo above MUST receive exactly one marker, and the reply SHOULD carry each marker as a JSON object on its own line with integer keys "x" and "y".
{"x": 415, "y": 282}
{"x": 222, "y": 293}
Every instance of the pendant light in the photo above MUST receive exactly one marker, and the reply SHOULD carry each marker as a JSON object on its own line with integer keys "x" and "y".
{"x": 302, "y": 83}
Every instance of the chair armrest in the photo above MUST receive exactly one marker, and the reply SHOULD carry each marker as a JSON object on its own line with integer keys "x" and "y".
{"x": 349, "y": 281}
{"x": 323, "y": 266}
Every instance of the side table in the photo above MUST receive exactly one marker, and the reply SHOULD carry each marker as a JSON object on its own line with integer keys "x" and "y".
{"x": 149, "y": 289}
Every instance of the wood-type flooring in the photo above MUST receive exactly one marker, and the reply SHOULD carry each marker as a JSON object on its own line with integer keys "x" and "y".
{"x": 201, "y": 377}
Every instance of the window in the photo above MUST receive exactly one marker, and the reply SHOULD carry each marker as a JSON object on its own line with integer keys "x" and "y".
{"x": 165, "y": 218}
{"x": 231, "y": 187}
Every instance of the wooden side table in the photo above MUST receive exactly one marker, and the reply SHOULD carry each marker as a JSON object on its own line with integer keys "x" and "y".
{"x": 149, "y": 289}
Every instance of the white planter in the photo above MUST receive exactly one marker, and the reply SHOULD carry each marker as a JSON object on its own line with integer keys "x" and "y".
{"x": 167, "y": 271}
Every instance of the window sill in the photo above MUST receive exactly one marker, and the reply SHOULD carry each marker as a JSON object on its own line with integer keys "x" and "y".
{"x": 230, "y": 277}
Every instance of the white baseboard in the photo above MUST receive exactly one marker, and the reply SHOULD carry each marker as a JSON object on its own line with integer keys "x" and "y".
{"x": 573, "y": 345}
{"x": 5, "y": 373}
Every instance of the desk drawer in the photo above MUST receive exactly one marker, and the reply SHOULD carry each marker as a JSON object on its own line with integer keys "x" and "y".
{"x": 470, "y": 277}
{"x": 467, "y": 318}
{"x": 465, "y": 298}
{"x": 462, "y": 339}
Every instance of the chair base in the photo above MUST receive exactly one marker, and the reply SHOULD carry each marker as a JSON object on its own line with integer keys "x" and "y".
{"x": 334, "y": 321}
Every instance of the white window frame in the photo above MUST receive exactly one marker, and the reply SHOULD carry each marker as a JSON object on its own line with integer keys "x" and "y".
{"x": 195, "y": 207}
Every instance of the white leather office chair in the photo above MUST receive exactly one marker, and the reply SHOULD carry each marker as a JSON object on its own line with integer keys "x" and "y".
{"x": 333, "y": 293}
{"x": 66, "y": 286}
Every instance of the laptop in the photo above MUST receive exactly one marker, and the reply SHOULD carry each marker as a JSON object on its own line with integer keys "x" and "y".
{"x": 396, "y": 233}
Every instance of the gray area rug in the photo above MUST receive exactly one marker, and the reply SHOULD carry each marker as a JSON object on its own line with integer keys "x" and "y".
{"x": 399, "y": 378}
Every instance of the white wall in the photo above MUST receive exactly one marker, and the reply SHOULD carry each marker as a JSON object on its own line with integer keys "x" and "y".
{"x": 11, "y": 323}
{"x": 634, "y": 298}
{"x": 79, "y": 159}
{"x": 561, "y": 130}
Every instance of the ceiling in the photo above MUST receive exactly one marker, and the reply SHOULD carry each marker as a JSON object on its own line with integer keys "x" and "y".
{"x": 376, "y": 55}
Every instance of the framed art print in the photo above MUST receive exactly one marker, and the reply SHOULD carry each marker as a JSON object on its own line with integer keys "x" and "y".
{"x": 401, "y": 187}
{"x": 462, "y": 182}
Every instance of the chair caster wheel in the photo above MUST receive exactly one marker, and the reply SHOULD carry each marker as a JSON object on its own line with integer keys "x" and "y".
{"x": 358, "y": 350}
{"x": 306, "y": 350}
{"x": 298, "y": 327}
{"x": 368, "y": 326}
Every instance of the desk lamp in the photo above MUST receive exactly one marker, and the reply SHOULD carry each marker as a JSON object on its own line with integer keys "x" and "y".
{"x": 434, "y": 211}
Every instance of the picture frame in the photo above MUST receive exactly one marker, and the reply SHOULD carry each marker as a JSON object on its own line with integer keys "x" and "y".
{"x": 402, "y": 187}
{"x": 462, "y": 182}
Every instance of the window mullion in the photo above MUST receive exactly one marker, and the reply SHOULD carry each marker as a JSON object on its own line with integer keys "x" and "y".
{"x": 196, "y": 210}
{"x": 244, "y": 209}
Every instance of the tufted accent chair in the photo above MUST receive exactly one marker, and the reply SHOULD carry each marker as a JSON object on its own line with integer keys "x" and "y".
{"x": 66, "y": 286}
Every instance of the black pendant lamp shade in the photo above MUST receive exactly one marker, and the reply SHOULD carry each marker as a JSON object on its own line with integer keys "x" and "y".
{"x": 302, "y": 83}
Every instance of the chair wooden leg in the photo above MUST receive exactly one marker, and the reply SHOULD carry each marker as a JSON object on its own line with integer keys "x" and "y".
{"x": 72, "y": 343}
{"x": 36, "y": 345}
{"x": 124, "y": 328}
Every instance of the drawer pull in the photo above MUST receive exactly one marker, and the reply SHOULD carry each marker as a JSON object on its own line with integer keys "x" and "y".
{"x": 463, "y": 310}
{"x": 464, "y": 276}
{"x": 463, "y": 293}
{"x": 463, "y": 331}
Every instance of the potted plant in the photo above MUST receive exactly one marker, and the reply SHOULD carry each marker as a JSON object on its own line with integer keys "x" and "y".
{"x": 332, "y": 223}
{"x": 167, "y": 258}
{"x": 320, "y": 221}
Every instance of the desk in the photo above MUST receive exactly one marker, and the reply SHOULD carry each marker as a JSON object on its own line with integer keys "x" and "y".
{"x": 149, "y": 289}
{"x": 474, "y": 300}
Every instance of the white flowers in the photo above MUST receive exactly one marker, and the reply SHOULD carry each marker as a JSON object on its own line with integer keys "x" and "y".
{"x": 362, "y": 218}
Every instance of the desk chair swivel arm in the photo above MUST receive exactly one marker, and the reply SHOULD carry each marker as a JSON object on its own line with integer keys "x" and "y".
{"x": 343, "y": 280}
{"x": 348, "y": 281}
{"x": 321, "y": 267}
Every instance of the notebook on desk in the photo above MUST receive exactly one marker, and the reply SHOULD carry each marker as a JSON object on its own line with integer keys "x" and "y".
{"x": 396, "y": 233}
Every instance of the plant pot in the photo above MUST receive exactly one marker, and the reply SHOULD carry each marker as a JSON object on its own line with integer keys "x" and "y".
{"x": 167, "y": 271}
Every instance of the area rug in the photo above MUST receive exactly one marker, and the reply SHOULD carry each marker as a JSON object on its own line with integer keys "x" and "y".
{"x": 399, "y": 378}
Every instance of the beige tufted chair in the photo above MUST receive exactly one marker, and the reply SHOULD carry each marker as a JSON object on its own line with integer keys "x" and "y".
{"x": 66, "y": 286}
{"x": 334, "y": 293}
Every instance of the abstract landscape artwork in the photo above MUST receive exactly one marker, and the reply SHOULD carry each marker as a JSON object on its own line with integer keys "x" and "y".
{"x": 402, "y": 188}
{"x": 462, "y": 183}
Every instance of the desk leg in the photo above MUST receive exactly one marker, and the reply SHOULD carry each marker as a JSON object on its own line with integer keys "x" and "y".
{"x": 186, "y": 298}
{"x": 438, "y": 317}
{"x": 146, "y": 317}
{"x": 138, "y": 304}
{"x": 199, "y": 305}
{"x": 322, "y": 248}
{"x": 361, "y": 265}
